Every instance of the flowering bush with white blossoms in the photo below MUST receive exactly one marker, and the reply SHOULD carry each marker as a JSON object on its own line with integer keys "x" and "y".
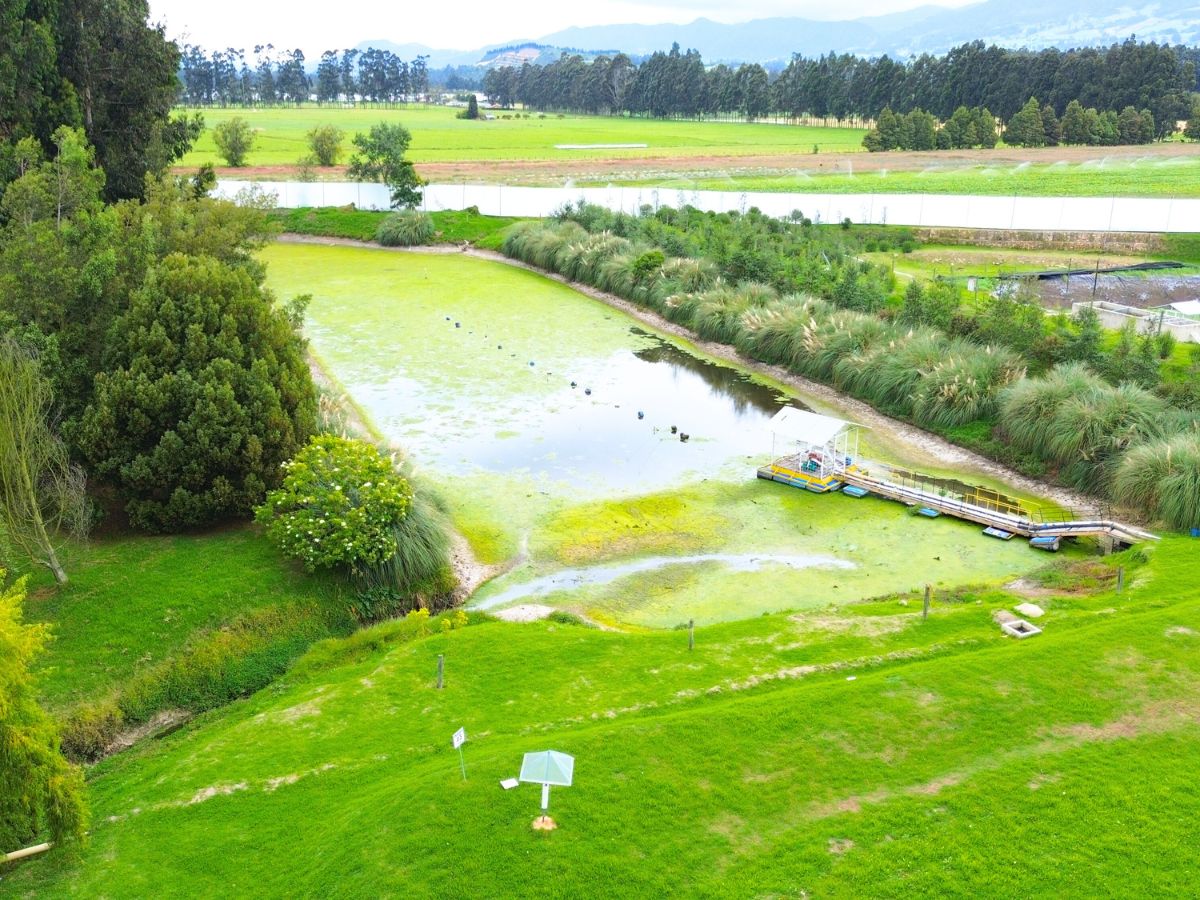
{"x": 340, "y": 502}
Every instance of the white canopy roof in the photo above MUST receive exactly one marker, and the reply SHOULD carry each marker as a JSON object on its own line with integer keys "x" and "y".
{"x": 807, "y": 427}
{"x": 1187, "y": 307}
{"x": 548, "y": 767}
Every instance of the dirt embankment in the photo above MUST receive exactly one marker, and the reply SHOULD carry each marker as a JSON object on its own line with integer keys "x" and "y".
{"x": 634, "y": 164}
{"x": 940, "y": 450}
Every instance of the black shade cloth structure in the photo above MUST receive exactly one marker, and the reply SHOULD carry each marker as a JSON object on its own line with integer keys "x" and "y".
{"x": 547, "y": 767}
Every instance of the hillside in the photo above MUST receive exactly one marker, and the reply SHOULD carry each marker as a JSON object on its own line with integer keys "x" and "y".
{"x": 927, "y": 29}
{"x": 812, "y": 754}
{"x": 924, "y": 29}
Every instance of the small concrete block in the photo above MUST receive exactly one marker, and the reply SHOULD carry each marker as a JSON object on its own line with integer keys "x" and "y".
{"x": 1030, "y": 610}
{"x": 509, "y": 783}
{"x": 1020, "y": 629}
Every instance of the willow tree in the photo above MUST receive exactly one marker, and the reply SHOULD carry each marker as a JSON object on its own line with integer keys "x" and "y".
{"x": 41, "y": 493}
{"x": 41, "y": 794}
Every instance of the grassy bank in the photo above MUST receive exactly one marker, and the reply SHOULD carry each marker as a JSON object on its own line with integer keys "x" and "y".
{"x": 453, "y": 227}
{"x": 187, "y": 621}
{"x": 784, "y": 755}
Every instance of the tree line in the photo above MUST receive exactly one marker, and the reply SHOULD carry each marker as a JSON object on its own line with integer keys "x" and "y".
{"x": 1033, "y": 125}
{"x": 97, "y": 66}
{"x": 1144, "y": 76}
{"x": 269, "y": 77}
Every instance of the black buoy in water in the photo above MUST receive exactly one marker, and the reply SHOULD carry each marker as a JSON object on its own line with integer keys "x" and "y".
{"x": 499, "y": 347}
{"x": 447, "y": 318}
{"x": 683, "y": 438}
{"x": 573, "y": 384}
{"x": 458, "y": 324}
{"x": 531, "y": 362}
{"x": 674, "y": 429}
{"x": 588, "y": 391}
{"x": 641, "y": 415}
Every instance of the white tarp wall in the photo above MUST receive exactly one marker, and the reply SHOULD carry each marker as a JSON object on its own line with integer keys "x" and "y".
{"x": 928, "y": 210}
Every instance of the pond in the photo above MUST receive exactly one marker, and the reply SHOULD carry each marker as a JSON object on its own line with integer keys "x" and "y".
{"x": 633, "y": 418}
{"x": 468, "y": 365}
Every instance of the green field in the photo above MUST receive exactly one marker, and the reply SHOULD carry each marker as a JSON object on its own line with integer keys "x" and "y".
{"x": 440, "y": 137}
{"x": 133, "y": 602}
{"x": 1147, "y": 177}
{"x": 830, "y": 754}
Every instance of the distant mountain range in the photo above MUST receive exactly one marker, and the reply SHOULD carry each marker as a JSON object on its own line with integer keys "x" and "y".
{"x": 933, "y": 29}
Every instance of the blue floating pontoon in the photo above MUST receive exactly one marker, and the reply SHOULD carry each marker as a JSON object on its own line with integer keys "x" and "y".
{"x": 998, "y": 533}
{"x": 1049, "y": 543}
{"x": 928, "y": 513}
{"x": 855, "y": 491}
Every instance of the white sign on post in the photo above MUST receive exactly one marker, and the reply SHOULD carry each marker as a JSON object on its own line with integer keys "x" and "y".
{"x": 460, "y": 738}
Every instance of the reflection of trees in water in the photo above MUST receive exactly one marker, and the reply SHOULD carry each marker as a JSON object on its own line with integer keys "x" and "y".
{"x": 742, "y": 392}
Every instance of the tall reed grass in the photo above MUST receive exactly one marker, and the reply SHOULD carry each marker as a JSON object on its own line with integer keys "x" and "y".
{"x": 1071, "y": 420}
{"x": 1163, "y": 477}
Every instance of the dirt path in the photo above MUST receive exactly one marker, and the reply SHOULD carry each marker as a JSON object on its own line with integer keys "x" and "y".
{"x": 940, "y": 450}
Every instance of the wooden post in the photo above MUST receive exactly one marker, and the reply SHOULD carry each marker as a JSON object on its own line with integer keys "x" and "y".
{"x": 441, "y": 669}
{"x": 1120, "y": 578}
{"x": 691, "y": 634}
{"x": 925, "y": 609}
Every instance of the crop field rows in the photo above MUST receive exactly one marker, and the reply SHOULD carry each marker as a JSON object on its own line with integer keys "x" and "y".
{"x": 690, "y": 155}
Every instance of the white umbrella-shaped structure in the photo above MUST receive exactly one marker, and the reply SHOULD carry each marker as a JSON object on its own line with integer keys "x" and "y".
{"x": 547, "y": 767}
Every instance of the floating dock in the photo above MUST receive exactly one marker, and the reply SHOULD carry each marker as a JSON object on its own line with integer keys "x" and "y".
{"x": 824, "y": 461}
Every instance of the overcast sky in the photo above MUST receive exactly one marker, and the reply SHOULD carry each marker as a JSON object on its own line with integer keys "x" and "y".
{"x": 461, "y": 24}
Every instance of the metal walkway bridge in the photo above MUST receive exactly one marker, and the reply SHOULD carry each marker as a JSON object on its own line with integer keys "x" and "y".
{"x": 984, "y": 507}
{"x": 1015, "y": 521}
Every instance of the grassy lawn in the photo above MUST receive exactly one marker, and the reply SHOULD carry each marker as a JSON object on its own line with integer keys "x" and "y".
{"x": 1150, "y": 177}
{"x": 135, "y": 601}
{"x": 440, "y": 137}
{"x": 785, "y": 756}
